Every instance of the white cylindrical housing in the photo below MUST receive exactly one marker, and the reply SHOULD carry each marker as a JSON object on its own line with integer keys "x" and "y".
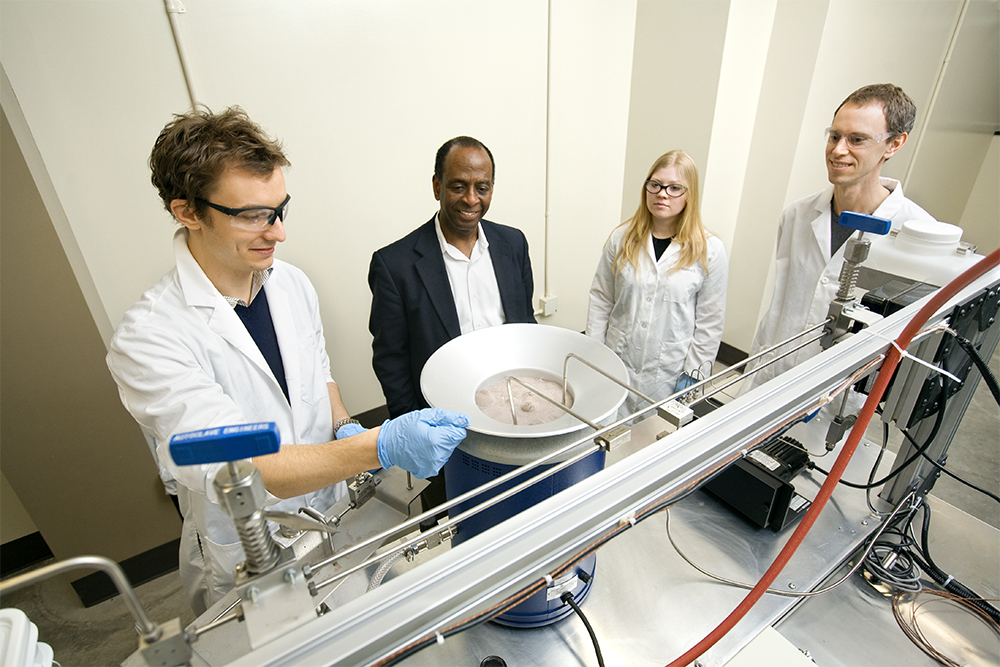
{"x": 923, "y": 250}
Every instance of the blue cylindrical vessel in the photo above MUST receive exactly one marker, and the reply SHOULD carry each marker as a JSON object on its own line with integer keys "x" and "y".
{"x": 476, "y": 360}
{"x": 465, "y": 472}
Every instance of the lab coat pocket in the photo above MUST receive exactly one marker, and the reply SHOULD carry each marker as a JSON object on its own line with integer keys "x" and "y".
{"x": 615, "y": 339}
{"x": 683, "y": 284}
{"x": 310, "y": 368}
{"x": 670, "y": 365}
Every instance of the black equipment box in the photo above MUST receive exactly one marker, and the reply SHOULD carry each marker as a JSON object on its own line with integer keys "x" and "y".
{"x": 759, "y": 486}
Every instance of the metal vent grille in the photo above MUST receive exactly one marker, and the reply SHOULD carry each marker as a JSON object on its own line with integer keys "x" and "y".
{"x": 482, "y": 467}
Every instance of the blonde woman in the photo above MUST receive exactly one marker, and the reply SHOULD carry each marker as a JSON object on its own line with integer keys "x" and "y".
{"x": 659, "y": 295}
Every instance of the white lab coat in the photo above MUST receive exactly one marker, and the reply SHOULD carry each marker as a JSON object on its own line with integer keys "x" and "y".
{"x": 660, "y": 323}
{"x": 183, "y": 360}
{"x": 806, "y": 278}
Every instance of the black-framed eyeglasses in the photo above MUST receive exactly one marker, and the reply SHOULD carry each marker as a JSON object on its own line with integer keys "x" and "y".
{"x": 255, "y": 218}
{"x": 672, "y": 189}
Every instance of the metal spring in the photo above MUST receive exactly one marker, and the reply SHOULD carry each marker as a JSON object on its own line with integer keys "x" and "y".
{"x": 848, "y": 279}
{"x": 261, "y": 551}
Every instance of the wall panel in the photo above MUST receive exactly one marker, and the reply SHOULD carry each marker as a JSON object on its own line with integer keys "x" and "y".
{"x": 791, "y": 60}
{"x": 590, "y": 70}
{"x": 964, "y": 115}
{"x": 95, "y": 82}
{"x": 72, "y": 455}
{"x": 675, "y": 76}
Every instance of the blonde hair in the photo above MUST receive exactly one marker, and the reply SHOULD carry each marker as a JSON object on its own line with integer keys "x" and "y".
{"x": 690, "y": 235}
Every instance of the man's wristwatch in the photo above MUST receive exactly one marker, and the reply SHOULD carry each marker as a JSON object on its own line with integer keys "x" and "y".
{"x": 342, "y": 422}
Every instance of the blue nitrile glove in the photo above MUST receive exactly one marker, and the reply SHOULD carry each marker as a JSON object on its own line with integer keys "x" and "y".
{"x": 683, "y": 382}
{"x": 420, "y": 442}
{"x": 349, "y": 429}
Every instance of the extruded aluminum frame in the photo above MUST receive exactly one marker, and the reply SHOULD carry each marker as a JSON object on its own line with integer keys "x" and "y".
{"x": 478, "y": 576}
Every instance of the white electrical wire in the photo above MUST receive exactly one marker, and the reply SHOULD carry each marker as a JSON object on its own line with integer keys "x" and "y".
{"x": 775, "y": 591}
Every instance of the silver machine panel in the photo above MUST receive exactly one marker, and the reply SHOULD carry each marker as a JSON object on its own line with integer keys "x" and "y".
{"x": 453, "y": 591}
{"x": 647, "y": 604}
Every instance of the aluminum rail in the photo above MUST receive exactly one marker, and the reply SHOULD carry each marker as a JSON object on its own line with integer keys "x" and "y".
{"x": 745, "y": 374}
{"x": 380, "y": 538}
{"x": 405, "y": 547}
{"x": 476, "y": 577}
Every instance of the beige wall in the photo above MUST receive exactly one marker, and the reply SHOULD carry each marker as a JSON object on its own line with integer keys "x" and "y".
{"x": 788, "y": 74}
{"x": 819, "y": 53}
{"x": 961, "y": 115}
{"x": 575, "y": 98}
{"x": 591, "y": 49}
{"x": 981, "y": 217}
{"x": 15, "y": 522}
{"x": 675, "y": 76}
{"x": 72, "y": 455}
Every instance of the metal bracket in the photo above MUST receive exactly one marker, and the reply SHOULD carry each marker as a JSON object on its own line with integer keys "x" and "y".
{"x": 432, "y": 540}
{"x": 171, "y": 649}
{"x": 616, "y": 437}
{"x": 362, "y": 489}
{"x": 676, "y": 413}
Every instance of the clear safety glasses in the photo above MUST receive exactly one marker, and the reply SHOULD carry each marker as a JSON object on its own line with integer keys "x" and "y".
{"x": 855, "y": 140}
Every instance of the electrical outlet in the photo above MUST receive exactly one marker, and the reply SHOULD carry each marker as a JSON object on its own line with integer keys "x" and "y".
{"x": 548, "y": 304}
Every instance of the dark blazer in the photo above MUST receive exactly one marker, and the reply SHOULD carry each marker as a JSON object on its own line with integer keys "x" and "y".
{"x": 413, "y": 310}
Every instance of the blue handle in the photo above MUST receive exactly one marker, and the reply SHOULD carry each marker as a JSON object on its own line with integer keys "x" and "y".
{"x": 225, "y": 443}
{"x": 865, "y": 223}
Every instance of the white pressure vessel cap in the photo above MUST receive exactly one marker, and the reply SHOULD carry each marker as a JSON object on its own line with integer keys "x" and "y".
{"x": 929, "y": 237}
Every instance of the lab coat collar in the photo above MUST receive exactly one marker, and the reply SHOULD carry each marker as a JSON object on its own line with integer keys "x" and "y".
{"x": 198, "y": 289}
{"x": 824, "y": 209}
{"x": 200, "y": 293}
{"x": 890, "y": 205}
{"x": 821, "y": 221}
{"x": 671, "y": 250}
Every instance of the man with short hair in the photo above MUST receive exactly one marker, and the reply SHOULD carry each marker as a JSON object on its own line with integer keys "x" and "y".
{"x": 868, "y": 128}
{"x": 232, "y": 335}
{"x": 454, "y": 274}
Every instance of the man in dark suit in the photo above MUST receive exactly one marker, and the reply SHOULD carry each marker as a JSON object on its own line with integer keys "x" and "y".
{"x": 453, "y": 274}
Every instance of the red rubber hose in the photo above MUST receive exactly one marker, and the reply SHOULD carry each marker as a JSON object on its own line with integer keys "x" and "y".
{"x": 881, "y": 382}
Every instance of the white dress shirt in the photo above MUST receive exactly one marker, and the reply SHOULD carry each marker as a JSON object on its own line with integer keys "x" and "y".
{"x": 473, "y": 283}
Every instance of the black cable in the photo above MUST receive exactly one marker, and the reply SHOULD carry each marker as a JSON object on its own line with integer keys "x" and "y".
{"x": 516, "y": 599}
{"x": 889, "y": 560}
{"x": 944, "y": 469}
{"x": 914, "y": 457}
{"x": 878, "y": 460}
{"x": 943, "y": 578}
{"x": 984, "y": 369}
{"x": 509, "y": 603}
{"x": 567, "y": 597}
